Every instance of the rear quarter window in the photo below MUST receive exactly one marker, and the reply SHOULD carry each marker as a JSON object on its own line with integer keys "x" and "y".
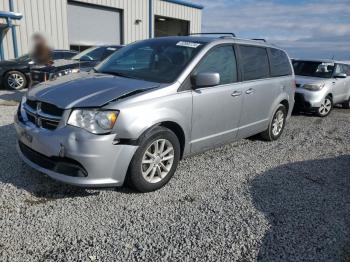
{"x": 255, "y": 62}
{"x": 279, "y": 62}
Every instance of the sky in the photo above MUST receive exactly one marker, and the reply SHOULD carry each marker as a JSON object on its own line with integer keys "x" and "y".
{"x": 306, "y": 29}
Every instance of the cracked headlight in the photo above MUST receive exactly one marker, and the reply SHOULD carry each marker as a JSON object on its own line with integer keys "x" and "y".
{"x": 94, "y": 120}
{"x": 313, "y": 87}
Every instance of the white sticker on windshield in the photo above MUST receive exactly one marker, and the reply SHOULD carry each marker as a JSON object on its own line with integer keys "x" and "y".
{"x": 188, "y": 44}
{"x": 111, "y": 48}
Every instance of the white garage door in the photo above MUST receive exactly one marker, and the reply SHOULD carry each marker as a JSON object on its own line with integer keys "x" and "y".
{"x": 92, "y": 25}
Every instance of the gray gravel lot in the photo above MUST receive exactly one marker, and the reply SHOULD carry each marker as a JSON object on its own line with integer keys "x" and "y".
{"x": 252, "y": 200}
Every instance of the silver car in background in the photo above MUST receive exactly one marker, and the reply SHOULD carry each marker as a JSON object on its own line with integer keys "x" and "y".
{"x": 151, "y": 104}
{"x": 321, "y": 84}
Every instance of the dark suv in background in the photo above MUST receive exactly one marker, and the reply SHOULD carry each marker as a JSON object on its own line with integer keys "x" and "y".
{"x": 83, "y": 61}
{"x": 14, "y": 74}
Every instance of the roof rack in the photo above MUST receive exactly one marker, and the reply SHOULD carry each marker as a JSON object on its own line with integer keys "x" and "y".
{"x": 229, "y": 34}
{"x": 259, "y": 39}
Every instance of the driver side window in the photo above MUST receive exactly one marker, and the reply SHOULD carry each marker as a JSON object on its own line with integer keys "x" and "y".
{"x": 220, "y": 60}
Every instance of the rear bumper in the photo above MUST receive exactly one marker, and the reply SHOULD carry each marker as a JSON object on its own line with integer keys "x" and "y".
{"x": 74, "y": 156}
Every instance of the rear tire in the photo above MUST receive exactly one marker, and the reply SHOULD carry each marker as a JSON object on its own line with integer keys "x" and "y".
{"x": 15, "y": 80}
{"x": 276, "y": 125}
{"x": 155, "y": 161}
{"x": 326, "y": 107}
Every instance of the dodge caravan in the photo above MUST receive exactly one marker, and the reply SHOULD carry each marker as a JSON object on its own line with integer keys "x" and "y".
{"x": 152, "y": 103}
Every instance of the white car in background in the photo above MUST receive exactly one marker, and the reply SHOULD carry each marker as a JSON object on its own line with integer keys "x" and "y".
{"x": 321, "y": 84}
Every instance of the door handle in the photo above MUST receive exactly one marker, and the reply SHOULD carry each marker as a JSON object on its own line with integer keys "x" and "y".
{"x": 236, "y": 93}
{"x": 250, "y": 91}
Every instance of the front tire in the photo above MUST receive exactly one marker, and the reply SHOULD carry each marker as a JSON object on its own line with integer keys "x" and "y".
{"x": 276, "y": 125}
{"x": 15, "y": 80}
{"x": 155, "y": 161}
{"x": 326, "y": 107}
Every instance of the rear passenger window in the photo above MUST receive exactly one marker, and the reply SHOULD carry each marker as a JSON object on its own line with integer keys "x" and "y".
{"x": 280, "y": 65}
{"x": 220, "y": 60}
{"x": 255, "y": 62}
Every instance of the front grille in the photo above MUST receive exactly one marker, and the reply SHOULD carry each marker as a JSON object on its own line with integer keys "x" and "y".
{"x": 65, "y": 166}
{"x": 43, "y": 114}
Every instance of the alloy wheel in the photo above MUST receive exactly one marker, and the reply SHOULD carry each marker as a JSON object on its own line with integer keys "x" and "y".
{"x": 278, "y": 122}
{"x": 157, "y": 161}
{"x": 325, "y": 107}
{"x": 15, "y": 81}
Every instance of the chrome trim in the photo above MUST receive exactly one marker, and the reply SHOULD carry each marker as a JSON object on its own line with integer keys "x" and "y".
{"x": 40, "y": 116}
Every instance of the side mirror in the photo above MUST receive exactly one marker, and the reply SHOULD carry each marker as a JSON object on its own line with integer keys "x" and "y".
{"x": 205, "y": 79}
{"x": 340, "y": 75}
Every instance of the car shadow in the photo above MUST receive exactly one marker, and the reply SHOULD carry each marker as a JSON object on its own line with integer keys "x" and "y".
{"x": 11, "y": 97}
{"x": 307, "y": 205}
{"x": 16, "y": 173}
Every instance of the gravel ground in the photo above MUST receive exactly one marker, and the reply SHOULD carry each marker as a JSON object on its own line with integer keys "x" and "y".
{"x": 252, "y": 200}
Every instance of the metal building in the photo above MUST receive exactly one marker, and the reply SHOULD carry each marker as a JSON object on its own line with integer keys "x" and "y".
{"x": 68, "y": 24}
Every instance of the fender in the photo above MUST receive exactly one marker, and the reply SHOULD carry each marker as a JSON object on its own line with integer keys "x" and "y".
{"x": 136, "y": 118}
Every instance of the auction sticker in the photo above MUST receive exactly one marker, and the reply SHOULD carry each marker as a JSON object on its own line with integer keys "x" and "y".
{"x": 188, "y": 44}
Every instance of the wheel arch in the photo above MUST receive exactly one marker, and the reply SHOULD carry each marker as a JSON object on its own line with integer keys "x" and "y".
{"x": 178, "y": 131}
{"x": 26, "y": 75}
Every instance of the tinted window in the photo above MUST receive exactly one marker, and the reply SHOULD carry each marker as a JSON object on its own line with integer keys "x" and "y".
{"x": 280, "y": 65}
{"x": 108, "y": 52}
{"x": 220, "y": 60}
{"x": 57, "y": 55}
{"x": 313, "y": 68}
{"x": 157, "y": 60}
{"x": 90, "y": 54}
{"x": 68, "y": 55}
{"x": 255, "y": 62}
{"x": 347, "y": 69}
{"x": 342, "y": 69}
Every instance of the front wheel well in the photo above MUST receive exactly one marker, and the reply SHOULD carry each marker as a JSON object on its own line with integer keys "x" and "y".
{"x": 286, "y": 104}
{"x": 177, "y": 129}
{"x": 18, "y": 70}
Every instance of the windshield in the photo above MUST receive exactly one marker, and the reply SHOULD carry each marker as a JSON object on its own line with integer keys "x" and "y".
{"x": 90, "y": 54}
{"x": 313, "y": 69}
{"x": 157, "y": 60}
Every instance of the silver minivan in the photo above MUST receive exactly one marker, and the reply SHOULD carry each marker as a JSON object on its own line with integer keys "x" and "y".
{"x": 321, "y": 84}
{"x": 152, "y": 103}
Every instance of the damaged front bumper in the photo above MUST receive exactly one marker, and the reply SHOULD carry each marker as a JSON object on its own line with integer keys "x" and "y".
{"x": 73, "y": 155}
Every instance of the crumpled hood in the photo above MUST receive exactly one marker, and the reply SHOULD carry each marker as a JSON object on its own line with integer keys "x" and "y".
{"x": 302, "y": 80}
{"x": 86, "y": 89}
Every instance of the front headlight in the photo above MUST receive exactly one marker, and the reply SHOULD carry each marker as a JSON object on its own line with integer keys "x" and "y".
{"x": 313, "y": 87}
{"x": 94, "y": 120}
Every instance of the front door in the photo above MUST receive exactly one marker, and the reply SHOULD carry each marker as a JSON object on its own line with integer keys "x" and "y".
{"x": 216, "y": 110}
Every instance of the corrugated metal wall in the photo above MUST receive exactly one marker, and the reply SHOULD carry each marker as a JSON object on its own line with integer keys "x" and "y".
{"x": 50, "y": 18}
{"x": 163, "y": 8}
